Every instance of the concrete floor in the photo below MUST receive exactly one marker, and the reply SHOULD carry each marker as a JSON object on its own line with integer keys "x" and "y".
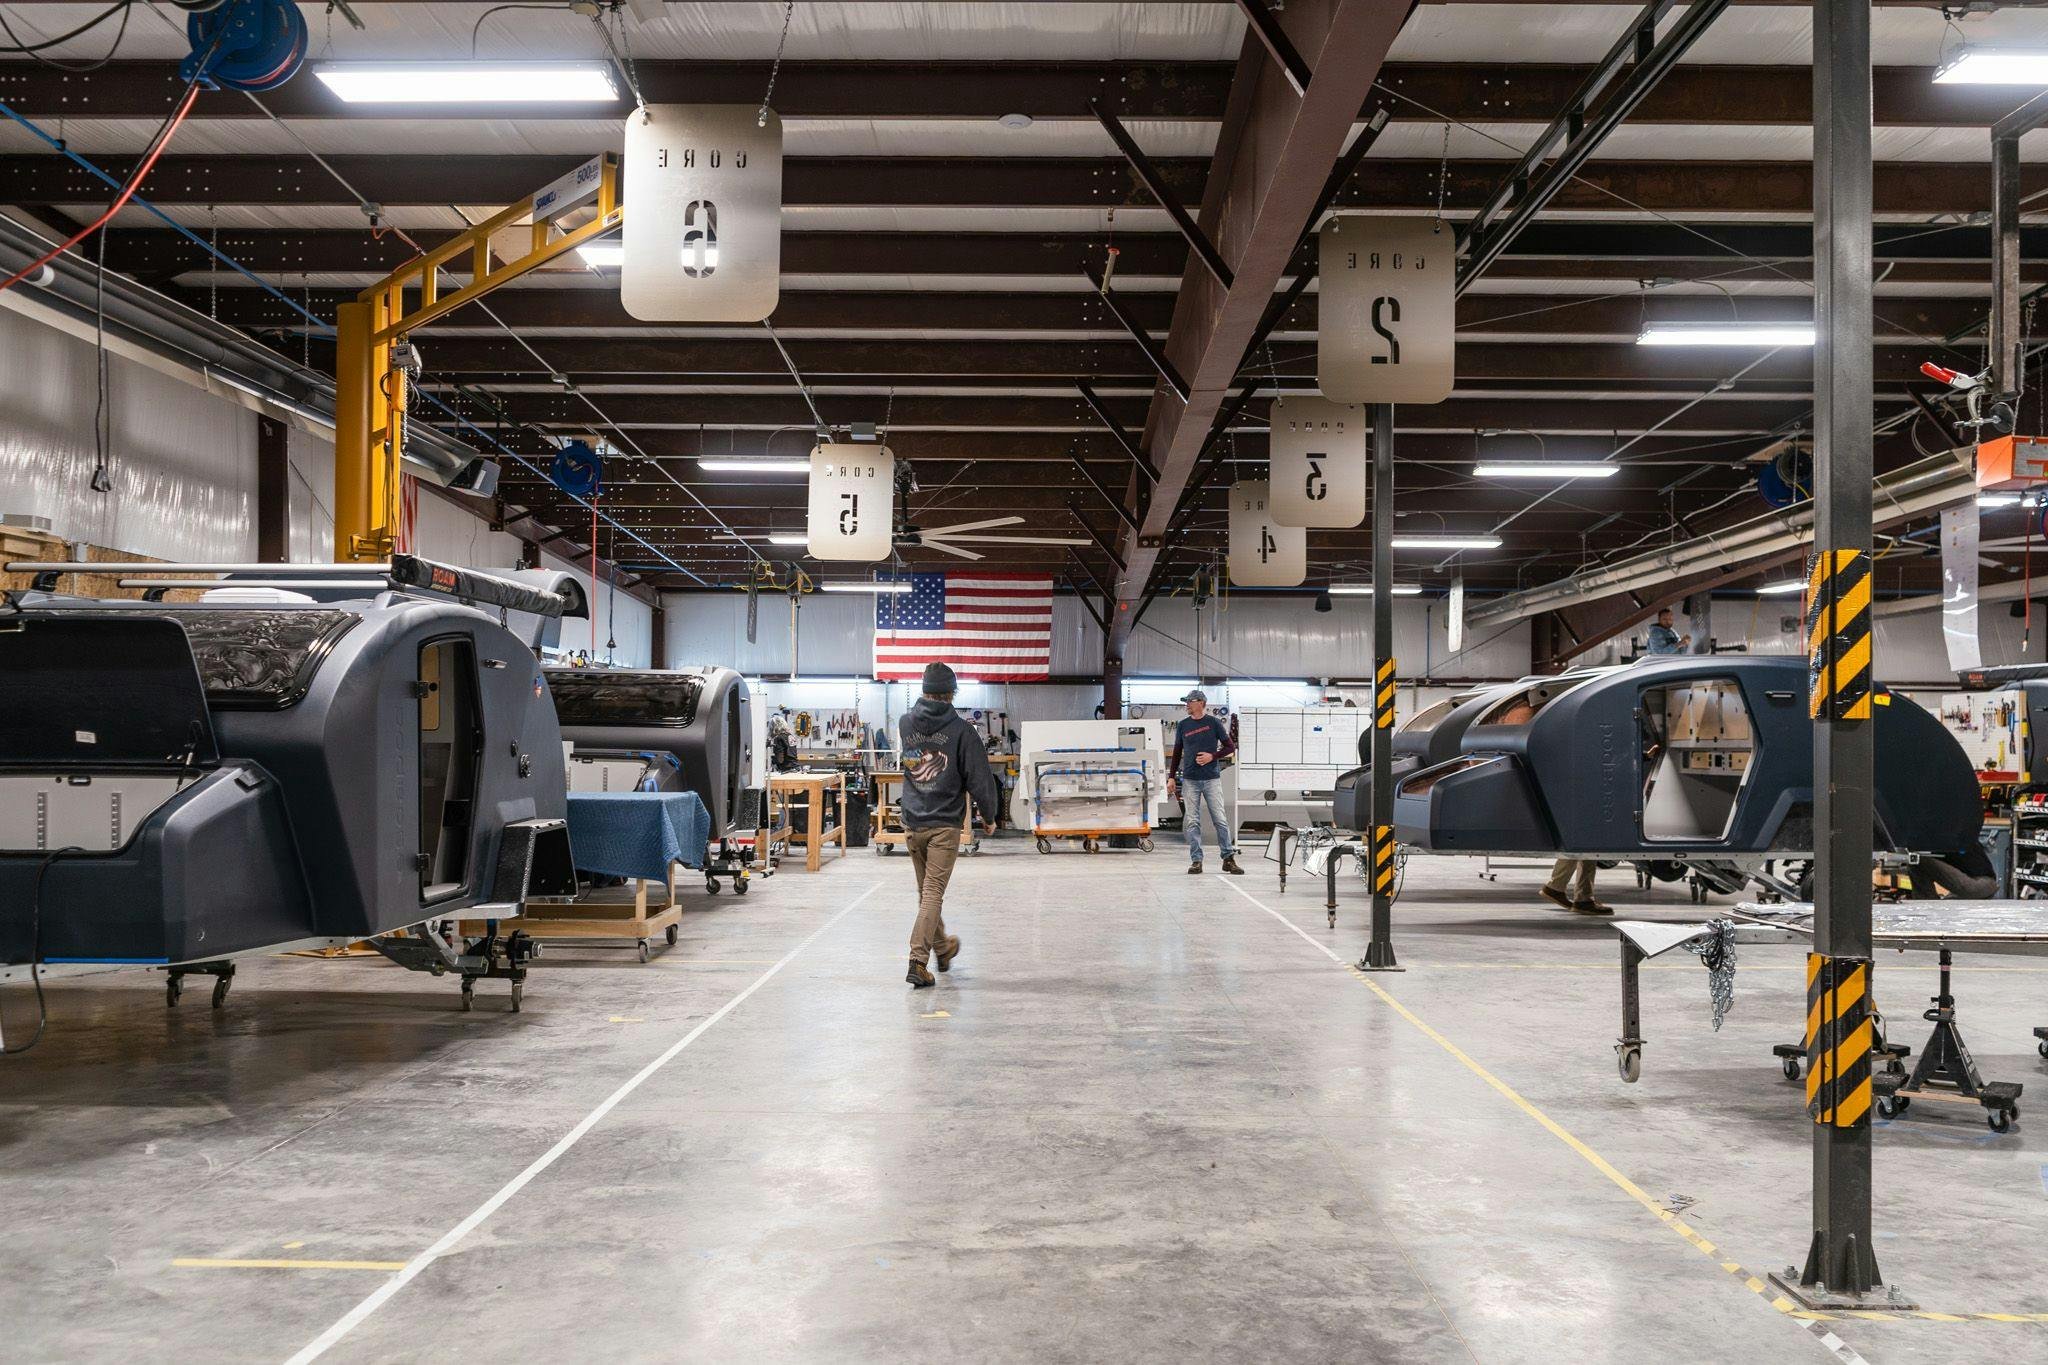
{"x": 1147, "y": 1117}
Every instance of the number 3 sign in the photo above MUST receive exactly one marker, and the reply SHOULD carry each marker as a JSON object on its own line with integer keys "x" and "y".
{"x": 853, "y": 502}
{"x": 1263, "y": 553}
{"x": 1318, "y": 462}
{"x": 1386, "y": 332}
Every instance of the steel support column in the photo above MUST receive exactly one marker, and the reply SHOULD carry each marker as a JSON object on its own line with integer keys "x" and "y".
{"x": 1379, "y": 953}
{"x": 1841, "y": 1265}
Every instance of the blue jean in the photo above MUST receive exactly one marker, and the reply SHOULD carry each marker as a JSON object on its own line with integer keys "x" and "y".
{"x": 1196, "y": 797}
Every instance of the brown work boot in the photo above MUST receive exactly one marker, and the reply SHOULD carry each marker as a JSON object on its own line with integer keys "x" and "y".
{"x": 1592, "y": 907}
{"x": 1195, "y": 868}
{"x": 948, "y": 953}
{"x": 1230, "y": 866}
{"x": 918, "y": 977}
{"x": 1559, "y": 899}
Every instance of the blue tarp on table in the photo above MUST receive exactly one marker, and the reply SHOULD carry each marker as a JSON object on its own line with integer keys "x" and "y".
{"x": 637, "y": 834}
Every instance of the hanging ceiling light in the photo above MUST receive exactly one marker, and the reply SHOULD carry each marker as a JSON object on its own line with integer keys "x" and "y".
{"x": 610, "y": 254}
{"x": 1365, "y": 589}
{"x": 1445, "y": 542}
{"x": 1790, "y": 585}
{"x": 756, "y": 464}
{"x": 1726, "y": 334}
{"x": 1969, "y": 65}
{"x": 881, "y": 586}
{"x": 1542, "y": 469}
{"x": 469, "y": 82}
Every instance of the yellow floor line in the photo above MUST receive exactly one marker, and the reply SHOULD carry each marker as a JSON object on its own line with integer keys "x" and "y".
{"x": 206, "y": 1263}
{"x": 1755, "y": 1284}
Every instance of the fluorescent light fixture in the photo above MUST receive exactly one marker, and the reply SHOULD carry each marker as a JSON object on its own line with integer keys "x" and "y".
{"x": 1163, "y": 682}
{"x": 1726, "y": 334}
{"x": 470, "y": 82}
{"x": 1425, "y": 542}
{"x": 1790, "y": 585}
{"x": 759, "y": 464}
{"x": 1542, "y": 469}
{"x": 788, "y": 538}
{"x": 889, "y": 587}
{"x": 1998, "y": 499}
{"x": 1365, "y": 589}
{"x": 1994, "y": 66}
{"x": 608, "y": 254}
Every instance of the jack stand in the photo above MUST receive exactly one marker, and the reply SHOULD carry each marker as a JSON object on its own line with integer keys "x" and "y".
{"x": 1946, "y": 1071}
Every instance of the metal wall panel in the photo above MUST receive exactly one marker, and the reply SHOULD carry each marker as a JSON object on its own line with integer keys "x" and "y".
{"x": 310, "y": 497}
{"x": 183, "y": 463}
{"x": 624, "y": 625}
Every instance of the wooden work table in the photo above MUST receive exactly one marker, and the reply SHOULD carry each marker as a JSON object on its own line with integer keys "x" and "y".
{"x": 784, "y": 791}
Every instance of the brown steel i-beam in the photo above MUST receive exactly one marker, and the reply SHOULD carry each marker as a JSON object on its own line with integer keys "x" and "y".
{"x": 1146, "y": 342}
{"x": 1108, "y": 550}
{"x": 1116, "y": 430}
{"x": 1116, "y": 504}
{"x": 1278, "y": 45}
{"x": 1156, "y": 186}
{"x": 1275, "y": 156}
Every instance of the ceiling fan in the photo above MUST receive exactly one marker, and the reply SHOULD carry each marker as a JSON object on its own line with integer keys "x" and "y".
{"x": 953, "y": 540}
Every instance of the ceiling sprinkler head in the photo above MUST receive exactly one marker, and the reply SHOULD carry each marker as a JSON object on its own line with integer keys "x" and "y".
{"x": 1015, "y": 120}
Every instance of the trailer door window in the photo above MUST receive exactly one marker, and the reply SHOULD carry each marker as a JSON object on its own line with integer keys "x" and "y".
{"x": 1697, "y": 751}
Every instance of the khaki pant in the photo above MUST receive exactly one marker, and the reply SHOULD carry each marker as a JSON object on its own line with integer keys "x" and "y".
{"x": 932, "y": 855}
{"x": 1576, "y": 874}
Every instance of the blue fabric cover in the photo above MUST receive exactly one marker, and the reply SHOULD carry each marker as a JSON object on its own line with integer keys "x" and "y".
{"x": 637, "y": 834}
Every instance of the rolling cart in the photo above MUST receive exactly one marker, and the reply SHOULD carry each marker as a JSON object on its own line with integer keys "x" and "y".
{"x": 1090, "y": 795}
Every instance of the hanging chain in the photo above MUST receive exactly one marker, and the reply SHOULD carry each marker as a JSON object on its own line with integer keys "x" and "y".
{"x": 888, "y": 413}
{"x": 788, "y": 10}
{"x": 1443, "y": 180}
{"x": 1716, "y": 952}
{"x": 213, "y": 263}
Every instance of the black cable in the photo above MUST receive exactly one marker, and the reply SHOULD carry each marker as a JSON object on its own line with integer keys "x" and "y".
{"x": 35, "y": 952}
{"x": 495, "y": 9}
{"x": 100, "y": 482}
{"x": 73, "y": 68}
{"x": 62, "y": 38}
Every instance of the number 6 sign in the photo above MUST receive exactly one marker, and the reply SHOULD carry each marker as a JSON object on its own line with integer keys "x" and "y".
{"x": 1386, "y": 332}
{"x": 1263, "y": 553}
{"x": 1318, "y": 462}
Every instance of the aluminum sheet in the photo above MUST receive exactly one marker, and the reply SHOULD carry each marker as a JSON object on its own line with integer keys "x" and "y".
{"x": 1988, "y": 926}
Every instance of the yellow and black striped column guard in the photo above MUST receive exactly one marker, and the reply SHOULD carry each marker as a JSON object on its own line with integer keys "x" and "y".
{"x": 1839, "y": 1035}
{"x": 1383, "y": 692}
{"x": 1383, "y": 860}
{"x": 1838, "y": 635}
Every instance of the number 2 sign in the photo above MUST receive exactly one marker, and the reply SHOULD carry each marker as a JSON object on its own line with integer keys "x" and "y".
{"x": 1318, "y": 462}
{"x": 1386, "y": 332}
{"x": 1263, "y": 553}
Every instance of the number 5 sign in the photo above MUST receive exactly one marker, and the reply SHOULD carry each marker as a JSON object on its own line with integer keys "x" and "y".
{"x": 1318, "y": 462}
{"x": 1387, "y": 328}
{"x": 853, "y": 502}
{"x": 1263, "y": 553}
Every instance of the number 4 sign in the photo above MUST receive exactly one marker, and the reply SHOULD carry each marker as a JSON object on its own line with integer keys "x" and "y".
{"x": 853, "y": 502}
{"x": 1263, "y": 553}
{"x": 1386, "y": 332}
{"x": 1318, "y": 462}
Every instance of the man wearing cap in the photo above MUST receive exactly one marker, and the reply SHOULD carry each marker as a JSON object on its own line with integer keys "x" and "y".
{"x": 1200, "y": 745}
{"x": 944, "y": 764}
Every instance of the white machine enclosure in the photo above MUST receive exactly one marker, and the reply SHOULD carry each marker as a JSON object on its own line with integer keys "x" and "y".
{"x": 1039, "y": 739}
{"x": 1289, "y": 759}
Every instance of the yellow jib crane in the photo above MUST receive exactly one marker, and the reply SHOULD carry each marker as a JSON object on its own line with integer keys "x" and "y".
{"x": 370, "y": 383}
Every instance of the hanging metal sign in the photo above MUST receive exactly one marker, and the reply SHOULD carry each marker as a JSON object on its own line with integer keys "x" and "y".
{"x": 1319, "y": 462}
{"x": 1263, "y": 553}
{"x": 1959, "y": 550}
{"x": 1387, "y": 330}
{"x": 703, "y": 233}
{"x": 1455, "y": 627}
{"x": 853, "y": 502}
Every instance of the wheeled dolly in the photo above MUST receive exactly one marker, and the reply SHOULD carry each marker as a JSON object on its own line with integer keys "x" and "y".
{"x": 1885, "y": 1057}
{"x": 223, "y": 974}
{"x": 1946, "y": 1071}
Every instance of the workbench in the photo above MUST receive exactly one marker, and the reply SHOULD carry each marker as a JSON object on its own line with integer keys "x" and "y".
{"x": 888, "y": 821}
{"x": 784, "y": 788}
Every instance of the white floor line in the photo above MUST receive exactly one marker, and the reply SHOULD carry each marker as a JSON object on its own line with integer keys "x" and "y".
{"x": 399, "y": 1280}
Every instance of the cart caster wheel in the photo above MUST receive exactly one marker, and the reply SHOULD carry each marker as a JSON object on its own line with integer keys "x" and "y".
{"x": 518, "y": 990}
{"x": 1045, "y": 845}
{"x": 2041, "y": 1048}
{"x": 673, "y": 932}
{"x": 468, "y": 994}
{"x": 1333, "y": 919}
{"x": 1145, "y": 844}
{"x": 711, "y": 886}
{"x": 174, "y": 987}
{"x": 1090, "y": 846}
{"x": 1629, "y": 1061}
{"x": 1890, "y": 1107}
{"x": 739, "y": 885}
{"x": 2002, "y": 1120}
{"x": 1791, "y": 1070}
{"x": 220, "y": 992}
{"x": 645, "y": 951}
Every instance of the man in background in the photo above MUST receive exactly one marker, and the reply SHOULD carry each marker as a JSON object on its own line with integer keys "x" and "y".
{"x": 944, "y": 763}
{"x": 1571, "y": 886}
{"x": 1200, "y": 745}
{"x": 1666, "y": 640}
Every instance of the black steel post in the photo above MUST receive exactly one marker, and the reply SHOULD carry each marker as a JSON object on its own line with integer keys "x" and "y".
{"x": 1841, "y": 1264}
{"x": 1379, "y": 953}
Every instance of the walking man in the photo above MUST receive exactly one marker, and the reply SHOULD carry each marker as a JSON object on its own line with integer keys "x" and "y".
{"x": 944, "y": 764}
{"x": 1199, "y": 747}
{"x": 1571, "y": 886}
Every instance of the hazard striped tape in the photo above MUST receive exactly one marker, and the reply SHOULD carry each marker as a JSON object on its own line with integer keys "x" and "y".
{"x": 1384, "y": 703}
{"x": 1838, "y": 635}
{"x": 1839, "y": 1036}
{"x": 1383, "y": 861}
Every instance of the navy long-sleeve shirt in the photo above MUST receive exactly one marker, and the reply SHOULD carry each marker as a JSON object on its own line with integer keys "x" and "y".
{"x": 1207, "y": 735}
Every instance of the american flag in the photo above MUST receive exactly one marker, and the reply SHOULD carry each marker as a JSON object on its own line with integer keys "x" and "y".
{"x": 991, "y": 627}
